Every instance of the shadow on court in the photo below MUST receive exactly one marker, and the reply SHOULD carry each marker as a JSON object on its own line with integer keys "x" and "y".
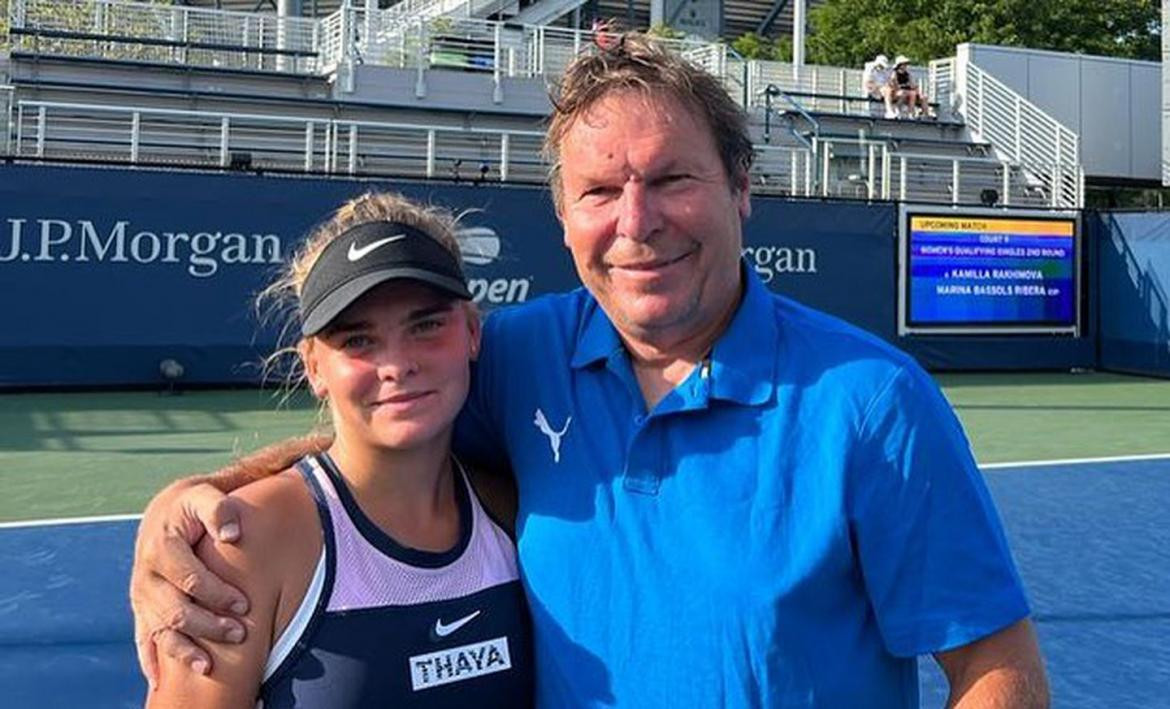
{"x": 65, "y": 628}
{"x": 1092, "y": 543}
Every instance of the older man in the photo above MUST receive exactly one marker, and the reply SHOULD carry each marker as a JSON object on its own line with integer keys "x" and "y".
{"x": 726, "y": 499}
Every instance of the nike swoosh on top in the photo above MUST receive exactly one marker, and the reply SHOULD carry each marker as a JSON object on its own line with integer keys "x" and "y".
{"x": 356, "y": 253}
{"x": 444, "y": 630}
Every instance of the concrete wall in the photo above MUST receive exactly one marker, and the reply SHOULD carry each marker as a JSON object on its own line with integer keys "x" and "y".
{"x": 1112, "y": 104}
{"x": 447, "y": 90}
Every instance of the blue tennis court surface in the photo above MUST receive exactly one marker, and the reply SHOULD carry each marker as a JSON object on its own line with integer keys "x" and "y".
{"x": 1092, "y": 541}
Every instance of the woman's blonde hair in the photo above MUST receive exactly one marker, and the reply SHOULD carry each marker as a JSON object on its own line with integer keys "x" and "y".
{"x": 279, "y": 302}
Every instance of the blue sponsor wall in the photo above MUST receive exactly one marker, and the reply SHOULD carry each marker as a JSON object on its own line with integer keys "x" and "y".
{"x": 106, "y": 272}
{"x": 1133, "y": 252}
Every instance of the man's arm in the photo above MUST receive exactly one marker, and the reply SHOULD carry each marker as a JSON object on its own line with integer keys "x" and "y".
{"x": 1003, "y": 669}
{"x": 172, "y": 592}
{"x": 272, "y": 564}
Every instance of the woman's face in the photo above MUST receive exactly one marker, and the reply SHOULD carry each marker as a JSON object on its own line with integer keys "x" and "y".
{"x": 394, "y": 365}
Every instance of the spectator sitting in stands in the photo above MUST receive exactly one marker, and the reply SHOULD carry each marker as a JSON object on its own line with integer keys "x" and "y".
{"x": 906, "y": 92}
{"x": 875, "y": 80}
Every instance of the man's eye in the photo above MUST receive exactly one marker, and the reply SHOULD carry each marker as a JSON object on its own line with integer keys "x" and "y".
{"x": 599, "y": 192}
{"x": 423, "y": 327}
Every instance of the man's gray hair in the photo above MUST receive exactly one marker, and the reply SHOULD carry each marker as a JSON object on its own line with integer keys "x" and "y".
{"x": 635, "y": 61}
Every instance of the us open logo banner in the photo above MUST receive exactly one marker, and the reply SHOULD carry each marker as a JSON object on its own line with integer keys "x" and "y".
{"x": 480, "y": 247}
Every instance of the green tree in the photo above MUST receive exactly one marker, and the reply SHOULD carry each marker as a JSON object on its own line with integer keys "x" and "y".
{"x": 752, "y": 46}
{"x": 4, "y": 41}
{"x": 665, "y": 31}
{"x": 850, "y": 32}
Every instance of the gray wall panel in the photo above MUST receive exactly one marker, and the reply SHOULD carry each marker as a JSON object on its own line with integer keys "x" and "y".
{"x": 1054, "y": 84}
{"x": 1112, "y": 104}
{"x": 1145, "y": 100}
{"x": 447, "y": 90}
{"x": 1001, "y": 64}
{"x": 1105, "y": 133}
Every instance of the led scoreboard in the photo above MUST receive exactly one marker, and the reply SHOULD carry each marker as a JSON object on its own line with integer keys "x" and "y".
{"x": 988, "y": 271}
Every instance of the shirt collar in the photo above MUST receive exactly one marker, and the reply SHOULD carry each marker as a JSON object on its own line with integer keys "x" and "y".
{"x": 743, "y": 361}
{"x": 597, "y": 338}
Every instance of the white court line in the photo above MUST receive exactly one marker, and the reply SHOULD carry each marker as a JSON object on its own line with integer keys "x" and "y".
{"x": 982, "y": 466}
{"x": 68, "y": 520}
{"x": 1074, "y": 461}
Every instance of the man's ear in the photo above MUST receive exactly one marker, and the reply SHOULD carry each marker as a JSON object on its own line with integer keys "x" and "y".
{"x": 558, "y": 199}
{"x": 741, "y": 183}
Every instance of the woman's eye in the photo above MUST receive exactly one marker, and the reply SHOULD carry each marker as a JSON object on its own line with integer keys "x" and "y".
{"x": 355, "y": 342}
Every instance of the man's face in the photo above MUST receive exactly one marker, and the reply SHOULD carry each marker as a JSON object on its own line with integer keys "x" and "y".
{"x": 652, "y": 221}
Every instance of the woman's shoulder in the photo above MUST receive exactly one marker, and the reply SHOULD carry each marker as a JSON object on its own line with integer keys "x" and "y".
{"x": 280, "y": 533}
{"x": 270, "y": 498}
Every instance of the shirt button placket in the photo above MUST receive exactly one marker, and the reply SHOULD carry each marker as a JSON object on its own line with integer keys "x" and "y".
{"x": 642, "y": 458}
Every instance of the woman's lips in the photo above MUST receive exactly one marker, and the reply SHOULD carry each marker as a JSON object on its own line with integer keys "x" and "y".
{"x": 401, "y": 400}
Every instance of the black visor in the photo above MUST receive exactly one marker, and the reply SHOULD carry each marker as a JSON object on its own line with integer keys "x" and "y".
{"x": 368, "y": 255}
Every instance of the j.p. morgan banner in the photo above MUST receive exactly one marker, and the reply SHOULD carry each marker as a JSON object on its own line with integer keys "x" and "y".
{"x": 108, "y": 272}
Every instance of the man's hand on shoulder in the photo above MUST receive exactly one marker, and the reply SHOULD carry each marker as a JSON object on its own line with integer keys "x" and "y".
{"x": 173, "y": 594}
{"x": 167, "y": 575}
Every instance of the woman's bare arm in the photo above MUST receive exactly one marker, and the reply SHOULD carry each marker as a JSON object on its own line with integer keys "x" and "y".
{"x": 173, "y": 593}
{"x": 273, "y": 566}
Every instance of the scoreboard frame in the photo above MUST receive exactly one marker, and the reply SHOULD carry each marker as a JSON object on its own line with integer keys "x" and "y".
{"x": 906, "y": 326}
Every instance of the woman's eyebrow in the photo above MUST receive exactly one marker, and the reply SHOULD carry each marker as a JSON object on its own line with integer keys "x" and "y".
{"x": 347, "y": 326}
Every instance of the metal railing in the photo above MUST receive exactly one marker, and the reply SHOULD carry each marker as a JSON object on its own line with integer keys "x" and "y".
{"x": 942, "y": 81}
{"x": 333, "y": 41}
{"x": 411, "y": 34}
{"x": 1019, "y": 131}
{"x": 528, "y": 51}
{"x": 141, "y": 135}
{"x": 7, "y": 123}
{"x": 772, "y": 91}
{"x": 857, "y": 168}
{"x": 869, "y": 169}
{"x": 1045, "y": 155}
{"x": 820, "y": 88}
{"x": 173, "y": 34}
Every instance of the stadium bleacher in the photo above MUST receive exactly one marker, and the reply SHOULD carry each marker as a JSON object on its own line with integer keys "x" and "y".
{"x": 348, "y": 79}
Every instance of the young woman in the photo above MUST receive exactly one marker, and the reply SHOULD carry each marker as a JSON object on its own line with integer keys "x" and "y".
{"x": 377, "y": 578}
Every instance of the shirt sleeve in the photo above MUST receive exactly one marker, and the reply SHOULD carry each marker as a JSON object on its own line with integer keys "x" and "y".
{"x": 934, "y": 558}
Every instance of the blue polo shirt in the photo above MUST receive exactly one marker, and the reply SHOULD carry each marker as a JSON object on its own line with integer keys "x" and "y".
{"x": 790, "y": 526}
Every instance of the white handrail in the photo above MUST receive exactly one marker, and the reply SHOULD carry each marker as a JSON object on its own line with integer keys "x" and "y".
{"x": 188, "y": 36}
{"x": 164, "y": 33}
{"x": 855, "y": 167}
{"x": 66, "y": 130}
{"x": 942, "y": 81}
{"x": 1023, "y": 133}
{"x": 7, "y": 127}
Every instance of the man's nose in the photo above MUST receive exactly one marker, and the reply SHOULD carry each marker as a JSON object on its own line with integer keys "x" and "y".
{"x": 639, "y": 217}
